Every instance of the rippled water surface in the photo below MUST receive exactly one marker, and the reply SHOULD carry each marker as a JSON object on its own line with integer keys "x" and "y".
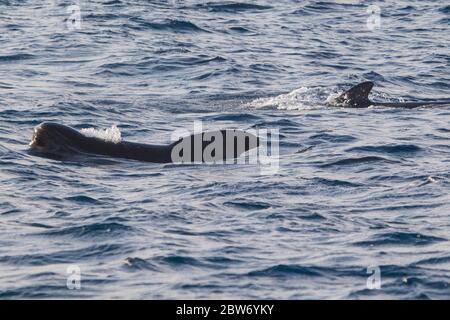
{"x": 370, "y": 188}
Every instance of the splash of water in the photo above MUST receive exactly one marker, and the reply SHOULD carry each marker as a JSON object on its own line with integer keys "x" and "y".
{"x": 112, "y": 134}
{"x": 303, "y": 98}
{"x": 306, "y": 98}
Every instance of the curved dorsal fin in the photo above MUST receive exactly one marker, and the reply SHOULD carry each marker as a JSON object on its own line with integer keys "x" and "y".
{"x": 357, "y": 96}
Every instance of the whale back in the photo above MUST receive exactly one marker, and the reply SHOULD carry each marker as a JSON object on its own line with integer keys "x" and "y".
{"x": 61, "y": 142}
{"x": 213, "y": 146}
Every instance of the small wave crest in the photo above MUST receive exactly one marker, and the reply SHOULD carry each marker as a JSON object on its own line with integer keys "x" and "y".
{"x": 112, "y": 134}
{"x": 232, "y": 7}
{"x": 3, "y": 151}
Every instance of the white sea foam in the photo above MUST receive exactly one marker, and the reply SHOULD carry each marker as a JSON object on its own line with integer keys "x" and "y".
{"x": 303, "y": 98}
{"x": 110, "y": 134}
{"x": 306, "y": 98}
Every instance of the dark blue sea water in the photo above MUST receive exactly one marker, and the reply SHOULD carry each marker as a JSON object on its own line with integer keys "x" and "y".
{"x": 370, "y": 191}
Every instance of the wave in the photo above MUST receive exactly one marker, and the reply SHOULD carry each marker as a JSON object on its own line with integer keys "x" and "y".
{"x": 289, "y": 270}
{"x": 445, "y": 9}
{"x": 400, "y": 238}
{"x": 179, "y": 261}
{"x": 232, "y": 7}
{"x": 64, "y": 256}
{"x": 16, "y": 57}
{"x": 399, "y": 149}
{"x": 245, "y": 204}
{"x": 167, "y": 25}
{"x": 357, "y": 161}
{"x": 334, "y": 138}
{"x": 94, "y": 230}
{"x": 236, "y": 117}
{"x": 139, "y": 264}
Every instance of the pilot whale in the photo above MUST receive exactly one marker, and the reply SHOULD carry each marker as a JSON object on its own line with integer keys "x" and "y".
{"x": 358, "y": 97}
{"x": 60, "y": 142}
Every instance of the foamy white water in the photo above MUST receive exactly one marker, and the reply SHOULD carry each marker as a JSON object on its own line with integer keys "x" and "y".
{"x": 112, "y": 134}
{"x": 303, "y": 98}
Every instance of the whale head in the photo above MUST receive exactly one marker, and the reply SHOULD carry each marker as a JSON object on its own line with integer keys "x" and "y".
{"x": 53, "y": 138}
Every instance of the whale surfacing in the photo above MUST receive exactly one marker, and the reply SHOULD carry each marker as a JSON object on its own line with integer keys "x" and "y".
{"x": 358, "y": 97}
{"x": 58, "y": 141}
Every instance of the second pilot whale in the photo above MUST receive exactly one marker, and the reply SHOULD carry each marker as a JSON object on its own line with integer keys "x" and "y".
{"x": 358, "y": 97}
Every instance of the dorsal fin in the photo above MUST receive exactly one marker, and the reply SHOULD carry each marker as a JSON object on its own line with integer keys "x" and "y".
{"x": 356, "y": 97}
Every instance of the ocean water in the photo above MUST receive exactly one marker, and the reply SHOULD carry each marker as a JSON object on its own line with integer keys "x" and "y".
{"x": 361, "y": 212}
